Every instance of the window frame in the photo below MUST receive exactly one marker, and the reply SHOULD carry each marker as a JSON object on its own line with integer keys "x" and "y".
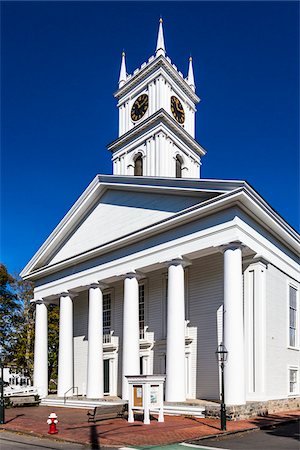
{"x": 145, "y": 285}
{"x": 295, "y": 369}
{"x": 138, "y": 157}
{"x": 105, "y": 293}
{"x": 141, "y": 287}
{"x": 290, "y": 286}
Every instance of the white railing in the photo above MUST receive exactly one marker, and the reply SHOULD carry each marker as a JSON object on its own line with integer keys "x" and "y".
{"x": 110, "y": 341}
{"x": 188, "y": 335}
{"x": 10, "y": 391}
{"x": 142, "y": 333}
{"x": 107, "y": 338}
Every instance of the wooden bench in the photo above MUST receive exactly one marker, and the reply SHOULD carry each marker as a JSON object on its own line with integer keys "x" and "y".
{"x": 106, "y": 412}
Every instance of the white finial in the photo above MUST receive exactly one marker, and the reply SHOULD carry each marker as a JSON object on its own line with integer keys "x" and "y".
{"x": 123, "y": 73}
{"x": 190, "y": 78}
{"x": 160, "y": 46}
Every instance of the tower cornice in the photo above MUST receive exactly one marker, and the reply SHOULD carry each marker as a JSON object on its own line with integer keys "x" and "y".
{"x": 161, "y": 116}
{"x": 146, "y": 69}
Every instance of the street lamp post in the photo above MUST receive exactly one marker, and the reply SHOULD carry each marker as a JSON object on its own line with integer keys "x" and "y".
{"x": 2, "y": 410}
{"x": 221, "y": 354}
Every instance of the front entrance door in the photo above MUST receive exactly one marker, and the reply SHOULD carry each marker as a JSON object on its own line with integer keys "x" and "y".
{"x": 106, "y": 376}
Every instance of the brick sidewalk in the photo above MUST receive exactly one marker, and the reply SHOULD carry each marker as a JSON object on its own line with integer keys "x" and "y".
{"x": 73, "y": 426}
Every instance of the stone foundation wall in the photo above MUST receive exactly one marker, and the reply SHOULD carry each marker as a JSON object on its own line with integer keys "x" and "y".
{"x": 252, "y": 409}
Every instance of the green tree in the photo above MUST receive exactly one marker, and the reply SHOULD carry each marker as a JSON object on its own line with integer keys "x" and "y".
{"x": 53, "y": 338}
{"x": 10, "y": 314}
{"x": 23, "y": 349}
{"x": 17, "y": 317}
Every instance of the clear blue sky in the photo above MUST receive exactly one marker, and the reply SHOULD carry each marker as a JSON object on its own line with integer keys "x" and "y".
{"x": 60, "y": 66}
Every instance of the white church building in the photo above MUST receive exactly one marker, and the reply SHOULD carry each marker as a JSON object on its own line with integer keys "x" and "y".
{"x": 153, "y": 267}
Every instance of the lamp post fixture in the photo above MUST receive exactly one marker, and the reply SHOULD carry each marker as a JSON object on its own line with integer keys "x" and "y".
{"x": 221, "y": 355}
{"x": 2, "y": 410}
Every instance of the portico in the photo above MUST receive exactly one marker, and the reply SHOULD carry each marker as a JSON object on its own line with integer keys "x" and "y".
{"x": 176, "y": 344}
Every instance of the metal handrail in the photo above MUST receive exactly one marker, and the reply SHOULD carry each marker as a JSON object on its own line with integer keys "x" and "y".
{"x": 65, "y": 394}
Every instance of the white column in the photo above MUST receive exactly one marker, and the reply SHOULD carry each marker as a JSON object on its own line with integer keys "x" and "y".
{"x": 175, "y": 360}
{"x": 234, "y": 377}
{"x": 40, "y": 377}
{"x": 131, "y": 343}
{"x": 65, "y": 352}
{"x": 95, "y": 343}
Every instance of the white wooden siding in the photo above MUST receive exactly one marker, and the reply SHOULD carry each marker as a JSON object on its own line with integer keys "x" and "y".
{"x": 117, "y": 215}
{"x": 205, "y": 299}
{"x": 279, "y": 356}
{"x": 117, "y": 327}
{"x": 80, "y": 341}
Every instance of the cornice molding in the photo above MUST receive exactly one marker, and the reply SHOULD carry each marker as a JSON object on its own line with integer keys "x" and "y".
{"x": 151, "y": 66}
{"x": 160, "y": 116}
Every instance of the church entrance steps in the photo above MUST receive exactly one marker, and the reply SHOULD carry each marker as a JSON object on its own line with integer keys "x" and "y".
{"x": 77, "y": 403}
{"x": 174, "y": 409}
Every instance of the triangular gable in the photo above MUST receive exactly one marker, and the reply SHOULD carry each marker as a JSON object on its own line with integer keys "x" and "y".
{"x": 113, "y": 207}
{"x": 117, "y": 214}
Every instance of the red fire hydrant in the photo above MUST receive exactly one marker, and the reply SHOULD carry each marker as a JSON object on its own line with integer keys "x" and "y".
{"x": 52, "y": 421}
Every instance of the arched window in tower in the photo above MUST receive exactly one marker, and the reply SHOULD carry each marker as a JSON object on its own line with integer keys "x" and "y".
{"x": 178, "y": 169}
{"x": 138, "y": 165}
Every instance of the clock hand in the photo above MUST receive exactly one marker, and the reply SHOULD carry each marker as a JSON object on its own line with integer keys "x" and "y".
{"x": 143, "y": 102}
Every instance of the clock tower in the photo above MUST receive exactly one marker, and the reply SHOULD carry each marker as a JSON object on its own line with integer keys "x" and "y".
{"x": 157, "y": 107}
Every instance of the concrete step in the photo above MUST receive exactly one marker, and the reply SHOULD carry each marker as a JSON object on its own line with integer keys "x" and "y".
{"x": 184, "y": 410}
{"x": 76, "y": 403}
{"x": 181, "y": 409}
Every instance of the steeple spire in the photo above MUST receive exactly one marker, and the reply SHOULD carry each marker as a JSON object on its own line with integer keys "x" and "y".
{"x": 123, "y": 73}
{"x": 160, "y": 46}
{"x": 190, "y": 78}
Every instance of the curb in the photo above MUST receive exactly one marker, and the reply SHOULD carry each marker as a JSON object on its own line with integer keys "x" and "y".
{"x": 33, "y": 433}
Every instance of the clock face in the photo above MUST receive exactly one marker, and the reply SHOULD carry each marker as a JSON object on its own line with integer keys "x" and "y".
{"x": 177, "y": 109}
{"x": 139, "y": 107}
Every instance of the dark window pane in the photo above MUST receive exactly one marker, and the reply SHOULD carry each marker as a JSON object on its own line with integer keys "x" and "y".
{"x": 178, "y": 167}
{"x": 138, "y": 165}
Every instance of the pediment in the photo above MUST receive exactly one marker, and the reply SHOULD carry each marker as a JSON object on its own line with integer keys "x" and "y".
{"x": 113, "y": 208}
{"x": 117, "y": 214}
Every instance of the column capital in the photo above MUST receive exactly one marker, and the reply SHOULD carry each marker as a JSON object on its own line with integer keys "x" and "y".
{"x": 133, "y": 274}
{"x": 232, "y": 246}
{"x": 68, "y": 294}
{"x": 38, "y": 301}
{"x": 178, "y": 261}
{"x": 98, "y": 284}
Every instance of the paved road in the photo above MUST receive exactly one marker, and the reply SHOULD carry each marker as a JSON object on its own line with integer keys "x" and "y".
{"x": 13, "y": 441}
{"x": 283, "y": 437}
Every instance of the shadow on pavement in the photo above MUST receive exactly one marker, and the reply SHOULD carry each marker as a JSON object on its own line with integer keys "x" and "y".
{"x": 286, "y": 430}
{"x": 10, "y": 420}
{"x": 94, "y": 437}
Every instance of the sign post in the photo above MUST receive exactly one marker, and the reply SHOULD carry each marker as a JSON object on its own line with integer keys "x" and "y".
{"x": 2, "y": 406}
{"x": 146, "y": 395}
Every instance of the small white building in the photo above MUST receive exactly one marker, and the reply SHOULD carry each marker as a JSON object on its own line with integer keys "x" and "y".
{"x": 153, "y": 266}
